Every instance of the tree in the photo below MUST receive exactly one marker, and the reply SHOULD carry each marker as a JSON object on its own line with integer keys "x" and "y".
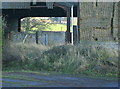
{"x": 33, "y": 23}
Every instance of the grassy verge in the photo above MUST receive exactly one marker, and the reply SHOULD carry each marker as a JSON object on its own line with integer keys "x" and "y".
{"x": 46, "y": 73}
{"x": 87, "y": 59}
{"x": 1, "y": 35}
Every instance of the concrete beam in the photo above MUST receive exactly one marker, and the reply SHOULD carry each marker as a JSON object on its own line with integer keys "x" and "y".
{"x": 72, "y": 20}
{"x": 68, "y": 35}
{"x": 78, "y": 20}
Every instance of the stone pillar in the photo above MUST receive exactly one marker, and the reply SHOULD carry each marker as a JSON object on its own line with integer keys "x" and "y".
{"x": 11, "y": 25}
{"x": 75, "y": 36}
{"x": 19, "y": 25}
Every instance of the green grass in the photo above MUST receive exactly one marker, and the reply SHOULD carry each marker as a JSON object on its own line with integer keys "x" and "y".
{"x": 55, "y": 27}
{"x": 0, "y": 42}
{"x": 19, "y": 77}
{"x": 87, "y": 73}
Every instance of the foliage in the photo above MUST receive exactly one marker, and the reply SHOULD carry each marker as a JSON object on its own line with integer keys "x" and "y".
{"x": 2, "y": 27}
{"x": 57, "y": 19}
{"x": 0, "y": 31}
{"x": 0, "y": 35}
{"x": 32, "y": 23}
{"x": 84, "y": 58}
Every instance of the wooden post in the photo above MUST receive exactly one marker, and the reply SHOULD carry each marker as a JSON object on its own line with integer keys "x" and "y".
{"x": 46, "y": 39}
{"x": 68, "y": 26}
{"x": 37, "y": 40}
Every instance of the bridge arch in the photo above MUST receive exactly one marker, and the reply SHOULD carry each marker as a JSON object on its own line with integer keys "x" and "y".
{"x": 14, "y": 14}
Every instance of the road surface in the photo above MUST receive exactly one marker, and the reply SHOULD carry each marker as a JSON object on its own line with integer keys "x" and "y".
{"x": 16, "y": 79}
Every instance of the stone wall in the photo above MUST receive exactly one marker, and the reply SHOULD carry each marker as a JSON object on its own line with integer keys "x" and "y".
{"x": 98, "y": 21}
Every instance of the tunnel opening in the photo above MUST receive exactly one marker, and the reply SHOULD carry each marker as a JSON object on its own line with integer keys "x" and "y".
{"x": 40, "y": 9}
{"x": 43, "y": 30}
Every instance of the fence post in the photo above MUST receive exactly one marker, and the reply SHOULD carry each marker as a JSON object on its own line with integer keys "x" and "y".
{"x": 46, "y": 39}
{"x": 37, "y": 37}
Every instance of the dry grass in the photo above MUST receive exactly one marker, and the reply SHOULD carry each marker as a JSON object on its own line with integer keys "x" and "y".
{"x": 21, "y": 52}
{"x": 65, "y": 58}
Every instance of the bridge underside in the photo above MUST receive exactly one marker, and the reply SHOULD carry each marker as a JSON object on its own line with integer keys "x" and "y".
{"x": 37, "y": 12}
{"x": 13, "y": 16}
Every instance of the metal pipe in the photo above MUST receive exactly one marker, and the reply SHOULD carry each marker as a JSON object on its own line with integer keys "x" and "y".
{"x": 38, "y": 6}
{"x": 72, "y": 18}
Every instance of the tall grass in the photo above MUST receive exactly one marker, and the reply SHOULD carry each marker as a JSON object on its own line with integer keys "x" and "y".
{"x": 1, "y": 35}
{"x": 87, "y": 57}
{"x": 21, "y": 52}
{"x": 83, "y": 58}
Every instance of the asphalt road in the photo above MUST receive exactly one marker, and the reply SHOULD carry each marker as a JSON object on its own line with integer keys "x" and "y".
{"x": 54, "y": 80}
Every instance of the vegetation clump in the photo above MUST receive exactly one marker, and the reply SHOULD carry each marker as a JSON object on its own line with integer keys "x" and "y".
{"x": 84, "y": 58}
